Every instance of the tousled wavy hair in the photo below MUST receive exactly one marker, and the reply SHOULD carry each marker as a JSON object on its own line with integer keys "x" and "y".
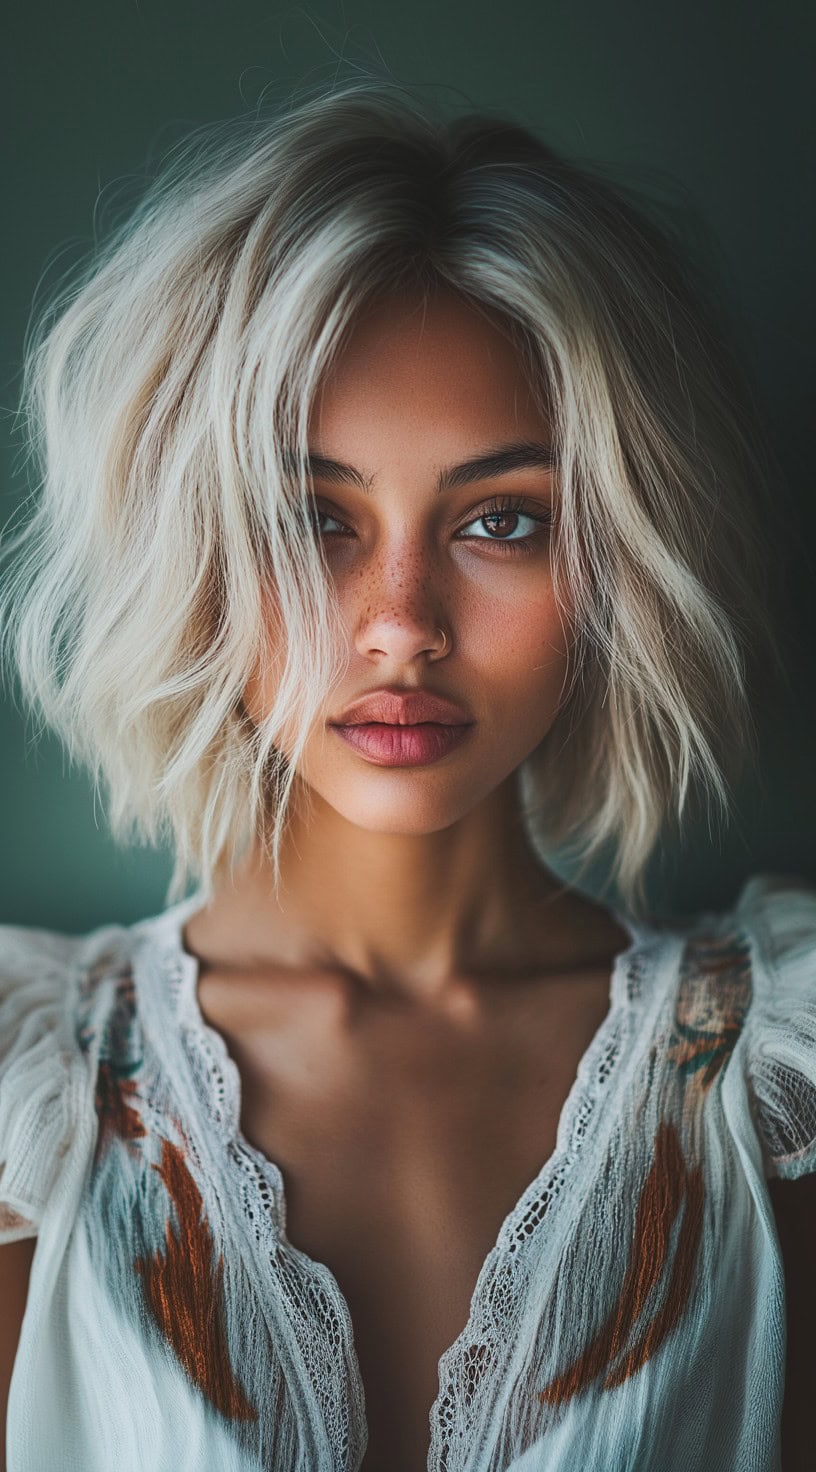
{"x": 166, "y": 395}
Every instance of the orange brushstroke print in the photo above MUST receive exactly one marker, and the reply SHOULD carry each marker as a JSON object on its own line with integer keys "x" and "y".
{"x": 184, "y": 1292}
{"x": 183, "y": 1287}
{"x": 668, "y": 1183}
{"x": 12, "y": 1221}
{"x": 119, "y": 1055}
{"x": 117, "y": 1117}
{"x": 711, "y": 1005}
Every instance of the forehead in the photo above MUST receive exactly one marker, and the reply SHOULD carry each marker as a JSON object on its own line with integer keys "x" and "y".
{"x": 442, "y": 369}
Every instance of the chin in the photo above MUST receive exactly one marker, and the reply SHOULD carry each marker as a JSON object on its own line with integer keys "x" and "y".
{"x": 408, "y": 814}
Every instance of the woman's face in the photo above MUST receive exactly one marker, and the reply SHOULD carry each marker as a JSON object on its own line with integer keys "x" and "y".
{"x": 415, "y": 392}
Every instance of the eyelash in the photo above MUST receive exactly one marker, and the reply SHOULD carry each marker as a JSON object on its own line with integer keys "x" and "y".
{"x": 500, "y": 506}
{"x": 513, "y": 506}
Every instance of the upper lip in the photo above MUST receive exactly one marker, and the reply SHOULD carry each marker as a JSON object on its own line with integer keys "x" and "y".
{"x": 402, "y": 707}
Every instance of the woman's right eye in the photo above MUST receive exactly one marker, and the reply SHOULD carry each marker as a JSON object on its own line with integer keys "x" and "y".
{"x": 319, "y": 516}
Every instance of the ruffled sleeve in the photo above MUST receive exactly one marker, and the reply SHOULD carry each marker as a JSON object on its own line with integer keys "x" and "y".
{"x": 46, "y": 1090}
{"x": 778, "y": 913}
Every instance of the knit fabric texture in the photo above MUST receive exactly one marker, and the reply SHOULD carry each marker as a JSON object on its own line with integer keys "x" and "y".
{"x": 631, "y": 1314}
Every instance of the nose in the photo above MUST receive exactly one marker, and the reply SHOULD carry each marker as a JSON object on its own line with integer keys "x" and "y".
{"x": 400, "y": 619}
{"x": 397, "y": 612}
{"x": 395, "y": 634}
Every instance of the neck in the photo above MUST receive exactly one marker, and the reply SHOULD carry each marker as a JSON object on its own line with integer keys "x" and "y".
{"x": 407, "y": 913}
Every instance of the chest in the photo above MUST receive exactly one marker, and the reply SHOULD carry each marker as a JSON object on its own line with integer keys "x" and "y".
{"x": 404, "y": 1142}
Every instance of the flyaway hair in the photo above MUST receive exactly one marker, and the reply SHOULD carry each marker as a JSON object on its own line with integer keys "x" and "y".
{"x": 166, "y": 397}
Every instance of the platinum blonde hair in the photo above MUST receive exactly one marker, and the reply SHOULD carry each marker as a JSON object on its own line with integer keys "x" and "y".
{"x": 166, "y": 397}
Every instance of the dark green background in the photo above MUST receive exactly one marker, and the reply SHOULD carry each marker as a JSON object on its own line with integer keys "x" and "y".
{"x": 706, "y": 103}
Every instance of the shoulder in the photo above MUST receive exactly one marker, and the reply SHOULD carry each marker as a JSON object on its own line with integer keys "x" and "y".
{"x": 777, "y": 915}
{"x": 780, "y": 912}
{"x": 59, "y": 995}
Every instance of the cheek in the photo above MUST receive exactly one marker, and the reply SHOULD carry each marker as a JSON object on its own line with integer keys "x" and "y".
{"x": 527, "y": 639}
{"x": 523, "y": 653}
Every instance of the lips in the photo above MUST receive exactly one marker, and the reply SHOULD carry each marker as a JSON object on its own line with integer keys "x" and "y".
{"x": 404, "y": 746}
{"x": 403, "y": 708}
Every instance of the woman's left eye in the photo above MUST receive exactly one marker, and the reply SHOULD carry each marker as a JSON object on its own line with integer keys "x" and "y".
{"x": 503, "y": 517}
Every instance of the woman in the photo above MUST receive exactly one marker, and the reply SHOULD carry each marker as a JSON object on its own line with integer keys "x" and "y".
{"x": 399, "y": 528}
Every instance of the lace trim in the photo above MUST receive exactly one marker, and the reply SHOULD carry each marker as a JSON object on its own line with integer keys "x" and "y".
{"x": 308, "y": 1289}
{"x": 471, "y": 1362}
{"x": 469, "y": 1366}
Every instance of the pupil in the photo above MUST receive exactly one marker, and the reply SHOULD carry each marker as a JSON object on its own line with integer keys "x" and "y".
{"x": 494, "y": 516}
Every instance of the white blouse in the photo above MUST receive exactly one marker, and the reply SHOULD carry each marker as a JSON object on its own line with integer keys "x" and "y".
{"x": 630, "y": 1315}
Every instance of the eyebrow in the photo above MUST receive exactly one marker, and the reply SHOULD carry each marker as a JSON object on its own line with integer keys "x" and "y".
{"x": 523, "y": 455}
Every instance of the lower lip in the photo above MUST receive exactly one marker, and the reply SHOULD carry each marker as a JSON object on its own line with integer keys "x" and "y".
{"x": 403, "y": 746}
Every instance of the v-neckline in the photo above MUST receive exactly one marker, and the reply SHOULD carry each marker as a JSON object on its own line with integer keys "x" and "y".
{"x": 222, "y": 1099}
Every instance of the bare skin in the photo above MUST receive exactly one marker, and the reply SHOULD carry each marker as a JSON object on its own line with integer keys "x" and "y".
{"x": 405, "y": 1134}
{"x": 407, "y": 1014}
